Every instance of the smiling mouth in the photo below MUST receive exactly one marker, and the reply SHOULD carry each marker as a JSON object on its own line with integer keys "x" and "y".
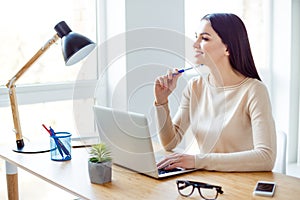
{"x": 198, "y": 53}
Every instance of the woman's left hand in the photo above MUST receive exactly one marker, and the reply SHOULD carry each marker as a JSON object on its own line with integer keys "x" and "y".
{"x": 177, "y": 160}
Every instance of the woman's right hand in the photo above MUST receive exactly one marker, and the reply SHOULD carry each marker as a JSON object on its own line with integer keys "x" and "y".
{"x": 164, "y": 85}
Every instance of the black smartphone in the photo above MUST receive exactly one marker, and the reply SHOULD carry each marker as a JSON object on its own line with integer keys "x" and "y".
{"x": 264, "y": 188}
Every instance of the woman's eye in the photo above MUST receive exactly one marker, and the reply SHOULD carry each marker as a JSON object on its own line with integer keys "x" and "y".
{"x": 201, "y": 36}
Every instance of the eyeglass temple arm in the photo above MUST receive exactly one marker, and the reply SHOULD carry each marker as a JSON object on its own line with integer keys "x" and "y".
{"x": 200, "y": 184}
{"x": 219, "y": 189}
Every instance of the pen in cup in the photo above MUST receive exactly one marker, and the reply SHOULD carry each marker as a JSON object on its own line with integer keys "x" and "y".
{"x": 47, "y": 129}
{"x": 65, "y": 150}
{"x": 56, "y": 140}
{"x": 59, "y": 144}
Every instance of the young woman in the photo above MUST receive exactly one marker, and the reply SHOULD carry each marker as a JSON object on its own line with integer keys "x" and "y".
{"x": 228, "y": 110}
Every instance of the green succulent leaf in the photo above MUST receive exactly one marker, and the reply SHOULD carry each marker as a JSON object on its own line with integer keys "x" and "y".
{"x": 99, "y": 153}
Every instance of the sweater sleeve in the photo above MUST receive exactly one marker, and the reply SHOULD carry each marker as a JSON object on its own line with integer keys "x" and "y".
{"x": 172, "y": 132}
{"x": 262, "y": 156}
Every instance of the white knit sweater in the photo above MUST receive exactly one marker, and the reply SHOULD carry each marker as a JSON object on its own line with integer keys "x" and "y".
{"x": 233, "y": 126}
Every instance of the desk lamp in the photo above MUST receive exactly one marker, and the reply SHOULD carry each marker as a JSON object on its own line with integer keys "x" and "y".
{"x": 74, "y": 48}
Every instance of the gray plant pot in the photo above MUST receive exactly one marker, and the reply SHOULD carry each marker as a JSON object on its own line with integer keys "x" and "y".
{"x": 100, "y": 173}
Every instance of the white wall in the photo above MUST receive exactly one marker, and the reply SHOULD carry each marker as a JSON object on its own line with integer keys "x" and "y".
{"x": 294, "y": 138}
{"x": 280, "y": 61}
{"x": 285, "y": 72}
{"x": 280, "y": 67}
{"x": 155, "y": 42}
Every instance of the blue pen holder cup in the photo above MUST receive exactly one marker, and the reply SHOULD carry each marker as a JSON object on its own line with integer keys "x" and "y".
{"x": 60, "y": 146}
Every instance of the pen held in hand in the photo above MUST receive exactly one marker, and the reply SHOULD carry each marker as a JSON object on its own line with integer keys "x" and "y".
{"x": 183, "y": 70}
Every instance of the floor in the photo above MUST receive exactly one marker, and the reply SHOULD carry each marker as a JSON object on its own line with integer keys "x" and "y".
{"x": 33, "y": 188}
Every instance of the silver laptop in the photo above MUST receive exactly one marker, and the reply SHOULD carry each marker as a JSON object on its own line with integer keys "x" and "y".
{"x": 128, "y": 137}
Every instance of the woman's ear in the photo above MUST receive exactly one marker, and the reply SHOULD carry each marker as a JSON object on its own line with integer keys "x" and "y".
{"x": 227, "y": 52}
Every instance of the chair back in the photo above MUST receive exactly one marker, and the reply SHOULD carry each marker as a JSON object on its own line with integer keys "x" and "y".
{"x": 280, "y": 163}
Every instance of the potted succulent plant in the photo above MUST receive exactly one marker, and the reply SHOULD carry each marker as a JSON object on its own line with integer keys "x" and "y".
{"x": 99, "y": 164}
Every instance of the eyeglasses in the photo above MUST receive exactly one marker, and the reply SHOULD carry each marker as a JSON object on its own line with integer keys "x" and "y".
{"x": 206, "y": 191}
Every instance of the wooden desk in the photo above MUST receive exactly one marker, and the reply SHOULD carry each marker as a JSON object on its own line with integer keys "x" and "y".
{"x": 72, "y": 176}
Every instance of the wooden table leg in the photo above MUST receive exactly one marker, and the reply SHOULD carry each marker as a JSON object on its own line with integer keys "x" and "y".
{"x": 12, "y": 181}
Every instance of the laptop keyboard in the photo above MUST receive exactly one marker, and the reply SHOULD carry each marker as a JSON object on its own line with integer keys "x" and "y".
{"x": 163, "y": 171}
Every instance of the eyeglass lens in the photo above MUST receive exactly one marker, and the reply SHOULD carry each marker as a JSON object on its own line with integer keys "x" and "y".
{"x": 208, "y": 193}
{"x": 185, "y": 190}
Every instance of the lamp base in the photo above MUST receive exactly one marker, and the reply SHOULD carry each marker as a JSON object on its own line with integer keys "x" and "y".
{"x": 37, "y": 147}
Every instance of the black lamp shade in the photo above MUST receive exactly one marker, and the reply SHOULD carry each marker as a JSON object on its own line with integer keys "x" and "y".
{"x": 75, "y": 47}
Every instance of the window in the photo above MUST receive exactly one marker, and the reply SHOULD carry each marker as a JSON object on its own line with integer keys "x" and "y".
{"x": 46, "y": 91}
{"x": 25, "y": 35}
